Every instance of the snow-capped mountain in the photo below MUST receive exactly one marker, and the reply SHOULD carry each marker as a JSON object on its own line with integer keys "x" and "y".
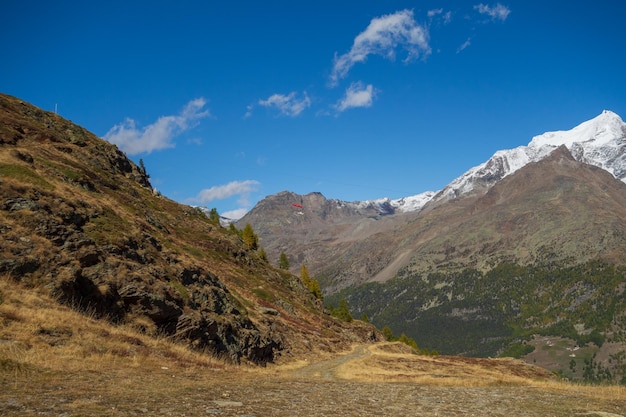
{"x": 600, "y": 141}
{"x": 400, "y": 205}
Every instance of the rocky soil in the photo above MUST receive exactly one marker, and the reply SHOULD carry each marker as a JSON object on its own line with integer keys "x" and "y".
{"x": 317, "y": 389}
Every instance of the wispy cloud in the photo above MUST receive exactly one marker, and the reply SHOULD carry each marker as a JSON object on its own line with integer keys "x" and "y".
{"x": 382, "y": 37}
{"x": 290, "y": 105}
{"x": 159, "y": 135}
{"x": 222, "y": 192}
{"x": 464, "y": 45}
{"x": 434, "y": 12}
{"x": 446, "y": 17}
{"x": 497, "y": 12}
{"x": 357, "y": 95}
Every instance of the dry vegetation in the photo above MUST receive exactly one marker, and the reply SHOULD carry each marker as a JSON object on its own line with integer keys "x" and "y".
{"x": 56, "y": 361}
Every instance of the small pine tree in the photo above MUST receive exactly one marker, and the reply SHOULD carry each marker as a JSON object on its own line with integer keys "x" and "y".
{"x": 262, "y": 253}
{"x": 388, "y": 334}
{"x": 283, "y": 261}
{"x": 142, "y": 169}
{"x": 343, "y": 312}
{"x": 214, "y": 216}
{"x": 408, "y": 341}
{"x": 311, "y": 284}
{"x": 250, "y": 239}
{"x": 304, "y": 276}
{"x": 315, "y": 289}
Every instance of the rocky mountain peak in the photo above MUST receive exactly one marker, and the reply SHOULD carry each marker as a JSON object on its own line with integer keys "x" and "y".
{"x": 600, "y": 141}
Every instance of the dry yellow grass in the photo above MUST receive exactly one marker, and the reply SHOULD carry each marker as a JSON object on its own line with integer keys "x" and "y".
{"x": 393, "y": 362}
{"x": 54, "y": 360}
{"x": 38, "y": 333}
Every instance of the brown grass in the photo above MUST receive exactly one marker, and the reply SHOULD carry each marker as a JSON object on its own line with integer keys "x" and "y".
{"x": 54, "y": 360}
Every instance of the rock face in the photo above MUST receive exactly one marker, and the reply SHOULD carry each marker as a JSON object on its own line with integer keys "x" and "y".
{"x": 79, "y": 218}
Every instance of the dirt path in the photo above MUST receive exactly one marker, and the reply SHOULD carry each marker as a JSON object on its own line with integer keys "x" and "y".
{"x": 327, "y": 369}
{"x": 314, "y": 390}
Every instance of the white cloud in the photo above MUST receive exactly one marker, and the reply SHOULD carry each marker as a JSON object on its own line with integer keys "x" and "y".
{"x": 465, "y": 44}
{"x": 235, "y": 214}
{"x": 288, "y": 105}
{"x": 383, "y": 35}
{"x": 160, "y": 134}
{"x": 249, "y": 109}
{"x": 357, "y": 95}
{"x": 497, "y": 12}
{"x": 434, "y": 12}
{"x": 221, "y": 192}
{"x": 447, "y": 16}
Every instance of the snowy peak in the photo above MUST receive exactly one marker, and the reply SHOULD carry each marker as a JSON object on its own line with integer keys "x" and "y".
{"x": 600, "y": 141}
{"x": 400, "y": 205}
{"x": 600, "y": 130}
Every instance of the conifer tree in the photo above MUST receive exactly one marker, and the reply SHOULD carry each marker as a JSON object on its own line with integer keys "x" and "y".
{"x": 283, "y": 261}
{"x": 214, "y": 216}
{"x": 311, "y": 284}
{"x": 343, "y": 312}
{"x": 142, "y": 169}
{"x": 388, "y": 333}
{"x": 304, "y": 276}
{"x": 250, "y": 239}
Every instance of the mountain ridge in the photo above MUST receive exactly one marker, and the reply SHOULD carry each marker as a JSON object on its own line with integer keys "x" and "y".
{"x": 600, "y": 141}
{"x": 327, "y": 244}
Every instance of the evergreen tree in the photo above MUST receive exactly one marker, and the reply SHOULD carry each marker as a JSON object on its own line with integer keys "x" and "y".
{"x": 388, "y": 334}
{"x": 214, "y": 216}
{"x": 262, "y": 253}
{"x": 343, "y": 312}
{"x": 283, "y": 261}
{"x": 142, "y": 169}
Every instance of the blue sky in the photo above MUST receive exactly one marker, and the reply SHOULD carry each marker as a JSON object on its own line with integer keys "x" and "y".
{"x": 228, "y": 102}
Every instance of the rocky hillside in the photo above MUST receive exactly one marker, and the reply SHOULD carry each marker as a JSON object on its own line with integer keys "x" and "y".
{"x": 80, "y": 219}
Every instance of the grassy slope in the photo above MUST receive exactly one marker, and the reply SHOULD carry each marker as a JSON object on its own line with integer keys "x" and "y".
{"x": 54, "y": 360}
{"x": 80, "y": 219}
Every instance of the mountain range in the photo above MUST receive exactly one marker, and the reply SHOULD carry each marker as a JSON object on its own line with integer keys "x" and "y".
{"x": 600, "y": 141}
{"x": 516, "y": 247}
{"x": 345, "y": 227}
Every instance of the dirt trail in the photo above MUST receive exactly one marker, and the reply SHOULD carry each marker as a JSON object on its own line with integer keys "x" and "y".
{"x": 327, "y": 369}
